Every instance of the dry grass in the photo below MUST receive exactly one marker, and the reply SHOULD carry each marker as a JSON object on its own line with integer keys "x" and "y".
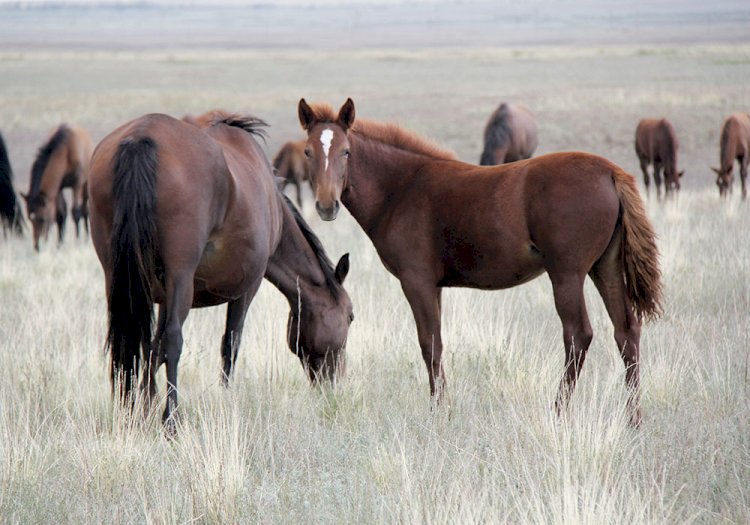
{"x": 272, "y": 449}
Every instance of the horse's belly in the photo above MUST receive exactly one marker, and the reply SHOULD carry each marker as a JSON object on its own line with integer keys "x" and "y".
{"x": 492, "y": 279}
{"x": 227, "y": 274}
{"x": 494, "y": 271}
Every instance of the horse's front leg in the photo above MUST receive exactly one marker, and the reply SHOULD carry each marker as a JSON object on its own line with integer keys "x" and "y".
{"x": 230, "y": 342}
{"x": 424, "y": 298}
{"x": 743, "y": 174}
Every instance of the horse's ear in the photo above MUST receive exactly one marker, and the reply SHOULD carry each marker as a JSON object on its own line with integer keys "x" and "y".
{"x": 346, "y": 115}
{"x": 342, "y": 268}
{"x": 716, "y": 170}
{"x": 306, "y": 115}
{"x": 680, "y": 174}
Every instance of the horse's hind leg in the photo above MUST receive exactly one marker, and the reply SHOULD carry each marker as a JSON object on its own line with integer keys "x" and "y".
{"x": 155, "y": 358}
{"x": 179, "y": 299}
{"x": 230, "y": 342}
{"x": 577, "y": 333}
{"x": 657, "y": 178}
{"x": 644, "y": 169}
{"x": 78, "y": 204}
{"x": 607, "y": 275}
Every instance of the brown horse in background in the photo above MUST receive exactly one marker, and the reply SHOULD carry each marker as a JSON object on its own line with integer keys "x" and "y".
{"x": 510, "y": 135}
{"x": 10, "y": 212}
{"x": 291, "y": 166}
{"x": 62, "y": 162}
{"x": 734, "y": 145}
{"x": 437, "y": 222}
{"x": 188, "y": 217}
{"x": 656, "y": 143}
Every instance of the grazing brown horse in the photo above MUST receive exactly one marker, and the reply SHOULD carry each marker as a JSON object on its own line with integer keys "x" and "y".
{"x": 188, "y": 217}
{"x": 291, "y": 166}
{"x": 62, "y": 162}
{"x": 437, "y": 222}
{"x": 656, "y": 143}
{"x": 10, "y": 212}
{"x": 510, "y": 135}
{"x": 734, "y": 145}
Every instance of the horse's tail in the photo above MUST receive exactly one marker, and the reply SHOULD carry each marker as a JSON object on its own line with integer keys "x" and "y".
{"x": 639, "y": 251}
{"x": 134, "y": 256}
{"x": 497, "y": 133}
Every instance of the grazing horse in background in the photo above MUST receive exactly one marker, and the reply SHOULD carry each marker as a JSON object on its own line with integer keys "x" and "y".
{"x": 62, "y": 162}
{"x": 734, "y": 145}
{"x": 510, "y": 135}
{"x": 10, "y": 212}
{"x": 656, "y": 143}
{"x": 188, "y": 217}
{"x": 291, "y": 166}
{"x": 437, "y": 222}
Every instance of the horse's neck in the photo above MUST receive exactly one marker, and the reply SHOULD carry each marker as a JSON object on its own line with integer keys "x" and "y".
{"x": 54, "y": 172}
{"x": 294, "y": 268}
{"x": 376, "y": 173}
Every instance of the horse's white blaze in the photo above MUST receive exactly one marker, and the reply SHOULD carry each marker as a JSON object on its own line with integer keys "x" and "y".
{"x": 325, "y": 138}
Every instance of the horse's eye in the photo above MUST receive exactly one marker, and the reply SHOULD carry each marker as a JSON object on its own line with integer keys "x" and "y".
{"x": 347, "y": 153}
{"x": 308, "y": 153}
{"x": 351, "y": 317}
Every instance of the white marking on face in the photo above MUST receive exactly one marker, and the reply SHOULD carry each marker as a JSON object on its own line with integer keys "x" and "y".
{"x": 325, "y": 138}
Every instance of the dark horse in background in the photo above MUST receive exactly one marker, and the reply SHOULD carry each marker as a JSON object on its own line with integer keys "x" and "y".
{"x": 291, "y": 166}
{"x": 10, "y": 212}
{"x": 62, "y": 162}
{"x": 437, "y": 222}
{"x": 510, "y": 135}
{"x": 656, "y": 143}
{"x": 188, "y": 217}
{"x": 734, "y": 145}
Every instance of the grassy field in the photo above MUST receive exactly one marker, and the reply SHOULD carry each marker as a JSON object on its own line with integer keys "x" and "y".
{"x": 271, "y": 449}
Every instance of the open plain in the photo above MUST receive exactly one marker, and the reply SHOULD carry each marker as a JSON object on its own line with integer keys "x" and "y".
{"x": 271, "y": 449}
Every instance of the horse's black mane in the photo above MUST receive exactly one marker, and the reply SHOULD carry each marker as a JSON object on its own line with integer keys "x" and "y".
{"x": 325, "y": 263}
{"x": 43, "y": 156}
{"x": 248, "y": 123}
{"x": 10, "y": 211}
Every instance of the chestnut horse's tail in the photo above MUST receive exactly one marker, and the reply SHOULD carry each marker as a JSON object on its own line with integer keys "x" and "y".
{"x": 640, "y": 254}
{"x": 134, "y": 255}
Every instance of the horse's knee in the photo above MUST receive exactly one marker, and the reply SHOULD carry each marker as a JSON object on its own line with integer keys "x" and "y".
{"x": 172, "y": 343}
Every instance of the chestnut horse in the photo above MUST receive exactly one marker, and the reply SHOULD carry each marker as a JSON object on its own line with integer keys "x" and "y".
{"x": 291, "y": 166}
{"x": 188, "y": 217}
{"x": 437, "y": 222}
{"x": 510, "y": 135}
{"x": 734, "y": 145}
{"x": 62, "y": 162}
{"x": 656, "y": 143}
{"x": 10, "y": 212}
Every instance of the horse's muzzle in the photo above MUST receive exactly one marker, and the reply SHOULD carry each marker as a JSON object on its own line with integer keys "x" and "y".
{"x": 328, "y": 214}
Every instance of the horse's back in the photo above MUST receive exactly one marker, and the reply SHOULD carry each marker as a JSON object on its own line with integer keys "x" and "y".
{"x": 736, "y": 133}
{"x": 655, "y": 139}
{"x": 213, "y": 200}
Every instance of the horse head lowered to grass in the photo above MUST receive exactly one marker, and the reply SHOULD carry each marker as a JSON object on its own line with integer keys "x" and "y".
{"x": 437, "y": 222}
{"x": 188, "y": 216}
